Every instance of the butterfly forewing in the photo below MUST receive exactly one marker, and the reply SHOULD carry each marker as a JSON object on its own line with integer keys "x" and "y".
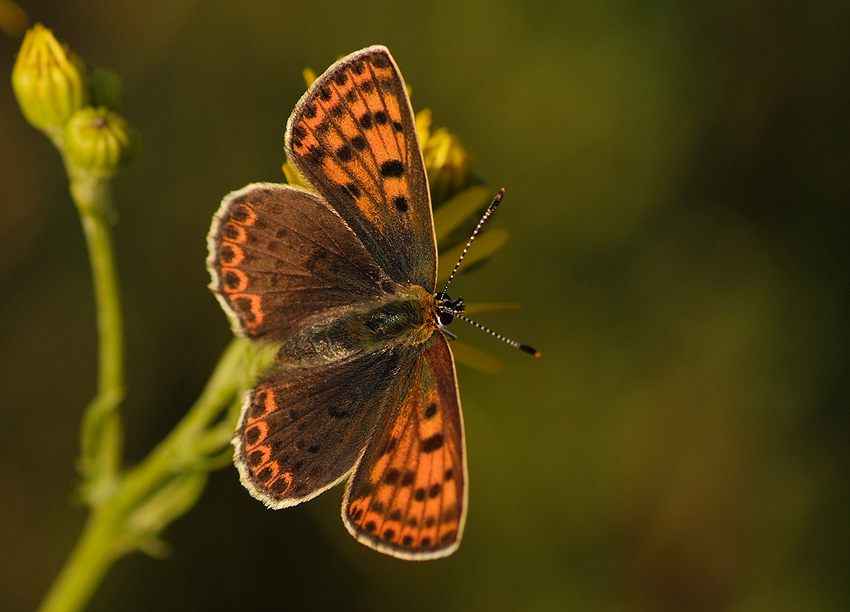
{"x": 278, "y": 255}
{"x": 353, "y": 137}
{"x": 407, "y": 496}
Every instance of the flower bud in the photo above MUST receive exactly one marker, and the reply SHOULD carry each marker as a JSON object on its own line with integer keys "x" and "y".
{"x": 99, "y": 140}
{"x": 447, "y": 165}
{"x": 49, "y": 81}
{"x": 423, "y": 126}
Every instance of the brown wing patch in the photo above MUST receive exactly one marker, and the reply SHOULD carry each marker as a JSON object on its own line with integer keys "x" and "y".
{"x": 302, "y": 429}
{"x": 278, "y": 255}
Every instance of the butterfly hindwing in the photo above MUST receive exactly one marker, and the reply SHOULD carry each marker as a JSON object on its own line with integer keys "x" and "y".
{"x": 302, "y": 429}
{"x": 278, "y": 254}
{"x": 407, "y": 496}
{"x": 353, "y": 137}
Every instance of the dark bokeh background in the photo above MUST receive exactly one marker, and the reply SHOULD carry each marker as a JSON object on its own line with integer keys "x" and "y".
{"x": 677, "y": 179}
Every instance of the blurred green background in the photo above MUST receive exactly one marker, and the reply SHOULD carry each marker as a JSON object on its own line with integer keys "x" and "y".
{"x": 677, "y": 197}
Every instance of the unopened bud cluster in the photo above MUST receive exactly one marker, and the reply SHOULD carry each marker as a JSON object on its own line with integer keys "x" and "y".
{"x": 75, "y": 107}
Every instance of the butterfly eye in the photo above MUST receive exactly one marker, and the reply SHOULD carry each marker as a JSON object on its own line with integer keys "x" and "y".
{"x": 447, "y": 308}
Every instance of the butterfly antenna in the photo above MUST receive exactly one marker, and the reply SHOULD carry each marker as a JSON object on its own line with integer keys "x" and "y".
{"x": 523, "y": 347}
{"x": 477, "y": 229}
{"x": 453, "y": 308}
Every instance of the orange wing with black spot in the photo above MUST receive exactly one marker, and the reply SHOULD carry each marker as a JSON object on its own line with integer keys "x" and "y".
{"x": 407, "y": 496}
{"x": 353, "y": 137}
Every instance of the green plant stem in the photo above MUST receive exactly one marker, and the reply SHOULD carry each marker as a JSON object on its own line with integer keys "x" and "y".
{"x": 108, "y": 534}
{"x": 174, "y": 455}
{"x": 93, "y": 555}
{"x": 101, "y": 433}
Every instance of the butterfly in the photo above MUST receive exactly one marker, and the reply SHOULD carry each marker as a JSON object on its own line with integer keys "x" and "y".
{"x": 344, "y": 279}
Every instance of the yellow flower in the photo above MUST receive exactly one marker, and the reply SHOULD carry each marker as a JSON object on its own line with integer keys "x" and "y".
{"x": 446, "y": 161}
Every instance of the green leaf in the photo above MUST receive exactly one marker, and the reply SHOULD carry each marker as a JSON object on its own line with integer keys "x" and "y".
{"x": 171, "y": 501}
{"x": 458, "y": 210}
{"x": 485, "y": 246}
{"x": 475, "y": 358}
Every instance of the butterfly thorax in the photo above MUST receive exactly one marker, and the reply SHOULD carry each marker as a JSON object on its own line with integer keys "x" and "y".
{"x": 404, "y": 316}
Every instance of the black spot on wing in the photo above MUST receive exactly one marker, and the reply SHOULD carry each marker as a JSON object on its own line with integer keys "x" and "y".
{"x": 392, "y": 168}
